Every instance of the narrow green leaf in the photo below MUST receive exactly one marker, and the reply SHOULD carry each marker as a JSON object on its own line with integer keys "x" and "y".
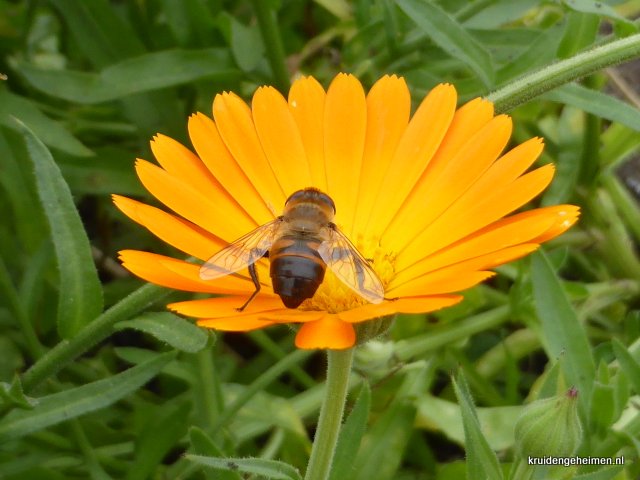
{"x": 49, "y": 131}
{"x": 80, "y": 291}
{"x": 163, "y": 431}
{"x": 246, "y": 43}
{"x": 258, "y": 466}
{"x": 481, "y": 460}
{"x": 563, "y": 334}
{"x": 59, "y": 407}
{"x": 12, "y": 395}
{"x": 383, "y": 447}
{"x": 351, "y": 436}
{"x": 608, "y": 473}
{"x": 629, "y": 366}
{"x": 597, "y": 103}
{"x": 539, "y": 52}
{"x": 581, "y": 31}
{"x": 152, "y": 71}
{"x": 201, "y": 444}
{"x": 102, "y": 35}
{"x": 602, "y": 407}
{"x": 598, "y": 8}
{"x": 169, "y": 328}
{"x": 451, "y": 37}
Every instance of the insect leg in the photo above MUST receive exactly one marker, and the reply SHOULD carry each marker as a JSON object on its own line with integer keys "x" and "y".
{"x": 256, "y": 283}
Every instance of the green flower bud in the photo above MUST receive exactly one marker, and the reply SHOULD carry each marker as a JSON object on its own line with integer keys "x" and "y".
{"x": 550, "y": 427}
{"x": 371, "y": 329}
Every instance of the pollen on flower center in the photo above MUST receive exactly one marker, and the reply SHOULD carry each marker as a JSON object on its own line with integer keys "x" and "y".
{"x": 334, "y": 296}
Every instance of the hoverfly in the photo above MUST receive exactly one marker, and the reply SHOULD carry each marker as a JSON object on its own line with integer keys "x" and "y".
{"x": 300, "y": 244}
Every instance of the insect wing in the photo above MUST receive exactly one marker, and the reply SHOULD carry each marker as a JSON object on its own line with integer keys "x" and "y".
{"x": 241, "y": 253}
{"x": 342, "y": 257}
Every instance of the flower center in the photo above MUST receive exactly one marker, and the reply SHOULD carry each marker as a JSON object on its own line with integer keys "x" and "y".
{"x": 334, "y": 296}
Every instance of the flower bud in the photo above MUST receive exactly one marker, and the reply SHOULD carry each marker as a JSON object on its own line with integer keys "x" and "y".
{"x": 550, "y": 426}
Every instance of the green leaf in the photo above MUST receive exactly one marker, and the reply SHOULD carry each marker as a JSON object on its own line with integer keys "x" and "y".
{"x": 80, "y": 291}
{"x": 169, "y": 328}
{"x": 481, "y": 460}
{"x": 581, "y": 31}
{"x": 246, "y": 43}
{"x": 561, "y": 330}
{"x": 151, "y": 71}
{"x": 101, "y": 34}
{"x": 163, "y": 430}
{"x": 451, "y": 37}
{"x": 604, "y": 474}
{"x": 201, "y": 444}
{"x": 351, "y": 435}
{"x": 602, "y": 407}
{"x": 383, "y": 447}
{"x": 258, "y": 466}
{"x": 49, "y": 131}
{"x": 628, "y": 364}
{"x": 597, "y": 103}
{"x": 13, "y": 395}
{"x": 539, "y": 52}
{"x": 59, "y": 407}
{"x": 598, "y": 8}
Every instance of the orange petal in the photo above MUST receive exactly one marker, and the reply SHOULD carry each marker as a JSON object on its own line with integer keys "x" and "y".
{"x": 565, "y": 217}
{"x": 215, "y": 217}
{"x": 161, "y": 270}
{"x": 345, "y": 118}
{"x": 328, "y": 332}
{"x": 175, "y": 231}
{"x": 474, "y": 211}
{"x": 401, "y": 305}
{"x": 306, "y": 104}
{"x": 235, "y": 124}
{"x": 215, "y": 155}
{"x": 220, "y": 307}
{"x": 467, "y": 121}
{"x": 440, "y": 283}
{"x": 443, "y": 186}
{"x": 433, "y": 280}
{"x": 181, "y": 163}
{"x": 415, "y": 150}
{"x": 280, "y": 139}
{"x": 388, "y": 110}
{"x": 241, "y": 324}
{"x": 506, "y": 232}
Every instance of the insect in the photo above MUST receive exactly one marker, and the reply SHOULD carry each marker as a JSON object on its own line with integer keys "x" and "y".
{"x": 300, "y": 244}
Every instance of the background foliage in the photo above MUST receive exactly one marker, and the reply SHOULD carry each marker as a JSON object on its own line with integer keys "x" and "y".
{"x": 126, "y": 394}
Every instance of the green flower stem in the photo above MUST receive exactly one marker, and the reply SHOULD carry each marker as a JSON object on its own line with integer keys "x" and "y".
{"x": 273, "y": 43}
{"x": 324, "y": 443}
{"x": 67, "y": 350}
{"x": 533, "y": 84}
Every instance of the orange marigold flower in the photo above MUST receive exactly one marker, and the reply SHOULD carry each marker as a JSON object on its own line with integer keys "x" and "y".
{"x": 424, "y": 198}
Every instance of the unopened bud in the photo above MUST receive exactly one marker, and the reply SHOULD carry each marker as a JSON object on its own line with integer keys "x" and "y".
{"x": 550, "y": 427}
